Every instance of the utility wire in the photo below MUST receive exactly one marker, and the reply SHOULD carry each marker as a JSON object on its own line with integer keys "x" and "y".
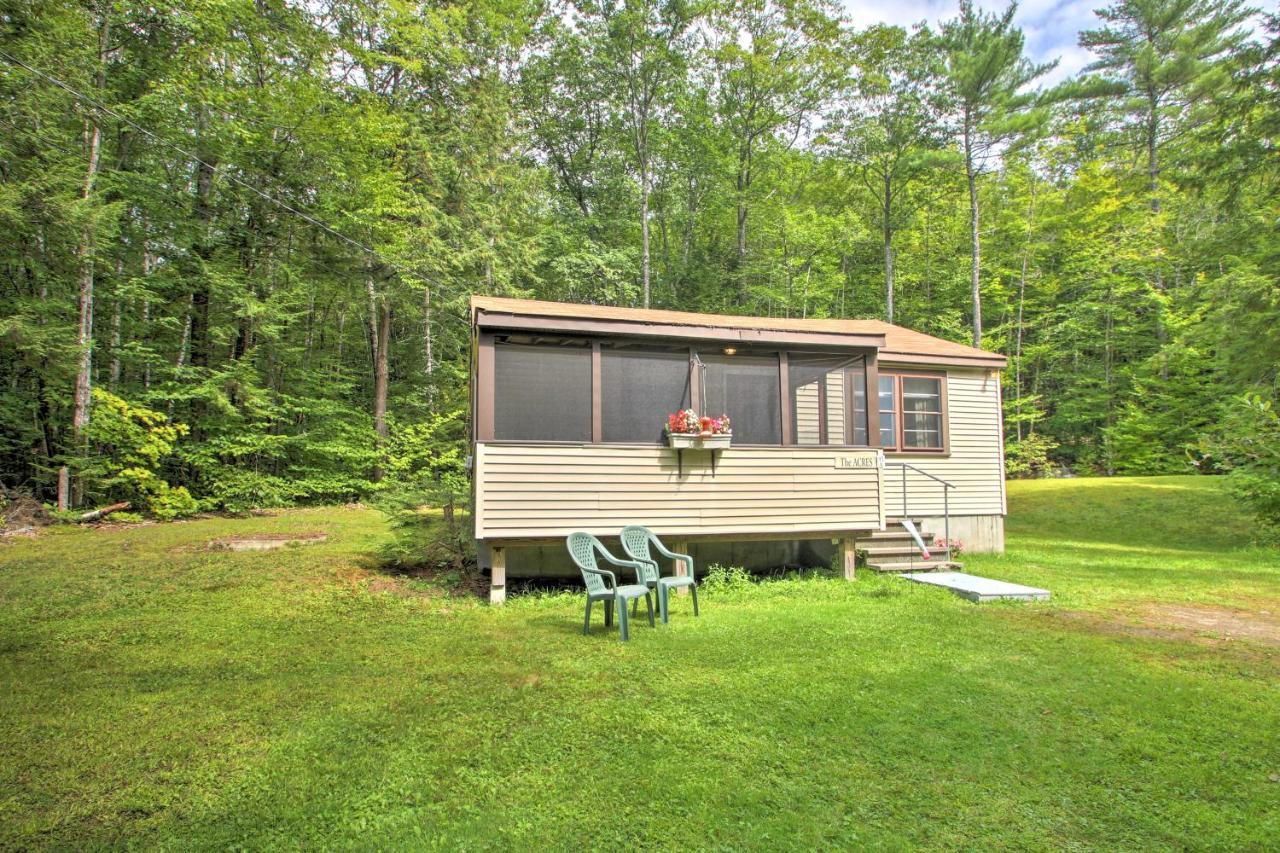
{"x": 190, "y": 156}
{"x": 44, "y": 139}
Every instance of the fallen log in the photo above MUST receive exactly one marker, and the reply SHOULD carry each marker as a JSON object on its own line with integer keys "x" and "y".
{"x": 97, "y": 514}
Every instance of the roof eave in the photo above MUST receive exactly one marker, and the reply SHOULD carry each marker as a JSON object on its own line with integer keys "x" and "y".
{"x": 488, "y": 319}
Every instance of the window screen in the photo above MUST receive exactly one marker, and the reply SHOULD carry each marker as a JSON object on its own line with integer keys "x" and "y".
{"x": 639, "y": 387}
{"x": 745, "y": 387}
{"x": 819, "y": 389}
{"x": 921, "y": 412}
{"x": 542, "y": 393}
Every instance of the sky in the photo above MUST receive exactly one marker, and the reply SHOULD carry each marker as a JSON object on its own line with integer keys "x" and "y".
{"x": 1051, "y": 27}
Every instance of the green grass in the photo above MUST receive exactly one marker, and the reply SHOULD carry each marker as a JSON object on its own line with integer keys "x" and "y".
{"x": 158, "y": 694}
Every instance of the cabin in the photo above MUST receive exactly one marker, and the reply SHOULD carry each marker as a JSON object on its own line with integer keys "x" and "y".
{"x": 838, "y": 430}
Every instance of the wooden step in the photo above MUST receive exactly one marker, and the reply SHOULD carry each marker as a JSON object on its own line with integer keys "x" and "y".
{"x": 891, "y": 538}
{"x": 914, "y": 566}
{"x": 907, "y": 549}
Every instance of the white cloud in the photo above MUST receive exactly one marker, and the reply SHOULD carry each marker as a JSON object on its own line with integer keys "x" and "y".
{"x": 1052, "y": 27}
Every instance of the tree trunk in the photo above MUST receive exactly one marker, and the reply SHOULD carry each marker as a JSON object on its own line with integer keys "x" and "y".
{"x": 428, "y": 356}
{"x": 888, "y": 251}
{"x": 84, "y": 259}
{"x": 1022, "y": 300}
{"x": 644, "y": 232}
{"x": 147, "y": 264}
{"x": 743, "y": 212}
{"x": 116, "y": 311}
{"x": 1153, "y": 185}
{"x": 976, "y": 246}
{"x": 203, "y": 209}
{"x": 380, "y": 374}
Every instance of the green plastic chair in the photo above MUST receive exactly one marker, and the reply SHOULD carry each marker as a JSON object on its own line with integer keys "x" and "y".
{"x": 636, "y": 541}
{"x": 602, "y": 584}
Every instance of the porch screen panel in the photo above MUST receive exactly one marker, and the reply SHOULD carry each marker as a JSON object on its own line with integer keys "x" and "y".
{"x": 541, "y": 393}
{"x": 820, "y": 399}
{"x": 745, "y": 387}
{"x": 639, "y": 387}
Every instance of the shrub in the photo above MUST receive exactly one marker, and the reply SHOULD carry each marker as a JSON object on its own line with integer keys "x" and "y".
{"x": 1248, "y": 448}
{"x": 130, "y": 444}
{"x": 1029, "y": 457}
{"x": 726, "y": 579}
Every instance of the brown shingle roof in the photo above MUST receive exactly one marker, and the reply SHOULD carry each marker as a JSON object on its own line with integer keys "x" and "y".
{"x": 899, "y": 341}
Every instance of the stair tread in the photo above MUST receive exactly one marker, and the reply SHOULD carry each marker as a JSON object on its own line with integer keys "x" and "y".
{"x": 917, "y": 566}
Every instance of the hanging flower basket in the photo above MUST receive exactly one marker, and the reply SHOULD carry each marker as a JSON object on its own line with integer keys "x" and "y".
{"x": 687, "y": 430}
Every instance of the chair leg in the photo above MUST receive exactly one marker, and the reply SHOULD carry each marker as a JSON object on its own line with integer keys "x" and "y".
{"x": 694, "y": 588}
{"x": 586, "y": 620}
{"x": 608, "y": 614}
{"x": 664, "y": 602}
{"x": 648, "y": 605}
{"x": 635, "y": 607}
{"x": 623, "y": 628}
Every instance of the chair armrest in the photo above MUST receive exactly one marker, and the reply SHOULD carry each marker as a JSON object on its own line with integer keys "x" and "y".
{"x": 666, "y": 552}
{"x": 605, "y": 573}
{"x": 637, "y": 565}
{"x": 661, "y": 549}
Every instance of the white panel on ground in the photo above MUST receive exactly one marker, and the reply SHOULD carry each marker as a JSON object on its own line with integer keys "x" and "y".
{"x": 975, "y": 588}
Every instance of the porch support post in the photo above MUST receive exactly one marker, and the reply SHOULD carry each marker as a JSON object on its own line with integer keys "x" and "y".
{"x": 678, "y": 566}
{"x": 848, "y": 556}
{"x": 498, "y": 576}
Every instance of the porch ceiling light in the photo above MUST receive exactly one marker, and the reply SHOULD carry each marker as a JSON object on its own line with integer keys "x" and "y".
{"x": 730, "y": 350}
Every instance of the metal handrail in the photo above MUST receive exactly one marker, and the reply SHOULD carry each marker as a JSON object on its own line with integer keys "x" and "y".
{"x": 946, "y": 503}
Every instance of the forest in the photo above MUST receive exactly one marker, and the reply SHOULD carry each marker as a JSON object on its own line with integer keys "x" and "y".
{"x": 238, "y": 237}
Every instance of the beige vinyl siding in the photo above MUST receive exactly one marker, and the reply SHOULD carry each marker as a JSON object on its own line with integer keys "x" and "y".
{"x": 806, "y": 402}
{"x": 545, "y": 491}
{"x": 835, "y": 407}
{"x": 974, "y": 464}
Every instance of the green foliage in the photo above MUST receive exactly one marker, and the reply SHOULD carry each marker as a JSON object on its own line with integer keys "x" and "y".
{"x": 1128, "y": 225}
{"x": 724, "y": 579}
{"x": 1028, "y": 456}
{"x": 1249, "y": 448}
{"x": 427, "y": 486}
{"x": 129, "y": 444}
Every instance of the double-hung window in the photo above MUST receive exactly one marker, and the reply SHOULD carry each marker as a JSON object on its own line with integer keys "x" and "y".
{"x": 912, "y": 416}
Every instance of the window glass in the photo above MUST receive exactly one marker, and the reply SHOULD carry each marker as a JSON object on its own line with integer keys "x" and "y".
{"x": 888, "y": 411}
{"x": 921, "y": 412}
{"x": 638, "y": 388}
{"x": 542, "y": 392}
{"x": 858, "y": 376}
{"x": 745, "y": 387}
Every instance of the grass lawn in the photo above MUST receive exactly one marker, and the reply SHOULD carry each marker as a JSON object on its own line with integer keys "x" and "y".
{"x": 159, "y": 694}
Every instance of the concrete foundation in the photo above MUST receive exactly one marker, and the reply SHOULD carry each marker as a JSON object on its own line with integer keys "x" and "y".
{"x": 979, "y": 533}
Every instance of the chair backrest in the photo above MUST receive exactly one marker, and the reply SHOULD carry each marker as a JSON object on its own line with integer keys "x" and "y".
{"x": 582, "y": 550}
{"x": 635, "y": 543}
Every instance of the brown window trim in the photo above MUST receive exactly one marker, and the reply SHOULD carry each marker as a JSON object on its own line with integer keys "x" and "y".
{"x": 900, "y": 448}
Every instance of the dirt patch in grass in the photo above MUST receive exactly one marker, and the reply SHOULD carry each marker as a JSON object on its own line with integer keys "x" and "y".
{"x": 1198, "y": 623}
{"x": 1225, "y": 623}
{"x": 391, "y": 586}
{"x": 266, "y": 541}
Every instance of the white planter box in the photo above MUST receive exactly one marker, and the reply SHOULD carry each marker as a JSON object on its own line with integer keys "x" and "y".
{"x": 697, "y": 442}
